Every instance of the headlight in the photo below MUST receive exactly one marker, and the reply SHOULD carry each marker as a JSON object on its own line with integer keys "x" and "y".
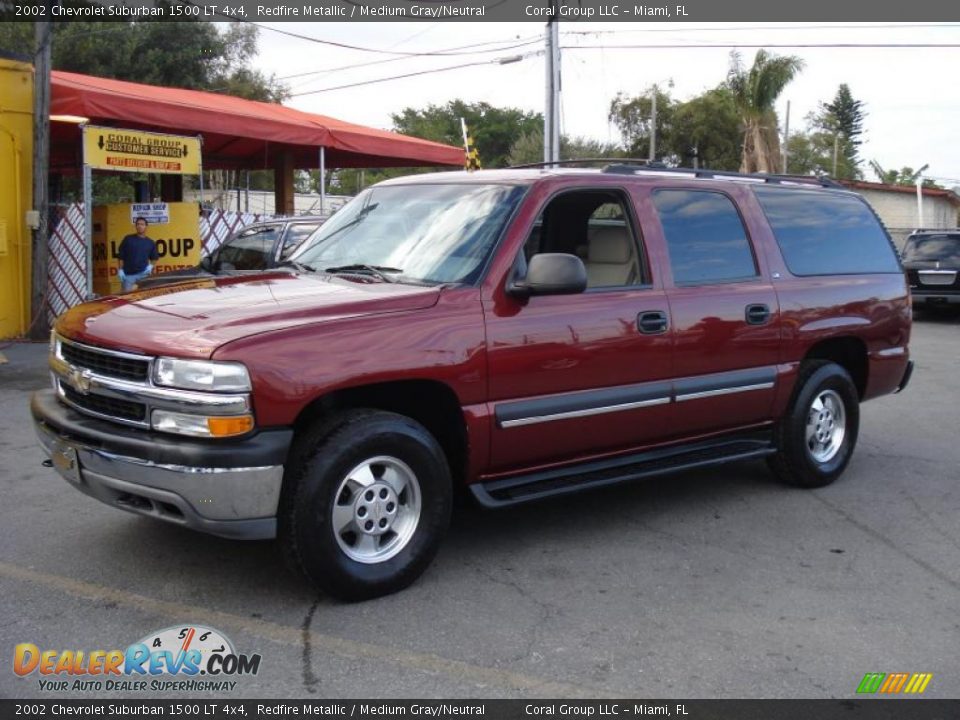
{"x": 201, "y": 375}
{"x": 201, "y": 425}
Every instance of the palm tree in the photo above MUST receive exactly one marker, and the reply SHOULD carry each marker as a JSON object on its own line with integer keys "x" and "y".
{"x": 754, "y": 92}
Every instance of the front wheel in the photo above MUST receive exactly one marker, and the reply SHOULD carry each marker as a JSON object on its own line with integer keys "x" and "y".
{"x": 366, "y": 502}
{"x": 816, "y": 437}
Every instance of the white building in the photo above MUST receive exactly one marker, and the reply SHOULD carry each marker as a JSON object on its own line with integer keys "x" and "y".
{"x": 261, "y": 202}
{"x": 899, "y": 209}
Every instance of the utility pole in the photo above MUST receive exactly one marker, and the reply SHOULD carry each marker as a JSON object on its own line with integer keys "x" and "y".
{"x": 39, "y": 326}
{"x": 551, "y": 115}
{"x": 653, "y": 126}
{"x": 786, "y": 141}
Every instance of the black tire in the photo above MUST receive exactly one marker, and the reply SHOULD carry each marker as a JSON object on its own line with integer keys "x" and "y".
{"x": 796, "y": 462}
{"x": 316, "y": 480}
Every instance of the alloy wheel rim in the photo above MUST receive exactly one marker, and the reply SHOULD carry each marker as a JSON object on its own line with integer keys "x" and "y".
{"x": 376, "y": 509}
{"x": 826, "y": 426}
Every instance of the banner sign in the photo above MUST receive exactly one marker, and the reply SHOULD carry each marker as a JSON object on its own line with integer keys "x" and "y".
{"x": 157, "y": 213}
{"x": 137, "y": 151}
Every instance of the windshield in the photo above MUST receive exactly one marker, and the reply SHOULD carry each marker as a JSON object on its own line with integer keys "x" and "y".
{"x": 932, "y": 248}
{"x": 420, "y": 233}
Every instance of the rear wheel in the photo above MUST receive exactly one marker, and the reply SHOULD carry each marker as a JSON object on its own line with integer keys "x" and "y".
{"x": 816, "y": 437}
{"x": 366, "y": 503}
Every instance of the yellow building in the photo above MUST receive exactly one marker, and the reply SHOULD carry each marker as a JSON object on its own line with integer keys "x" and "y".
{"x": 16, "y": 191}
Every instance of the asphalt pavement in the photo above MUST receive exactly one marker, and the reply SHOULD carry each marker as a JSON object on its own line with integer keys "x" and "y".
{"x": 718, "y": 583}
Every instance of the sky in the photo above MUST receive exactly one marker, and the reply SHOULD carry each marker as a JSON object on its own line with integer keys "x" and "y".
{"x": 911, "y": 96}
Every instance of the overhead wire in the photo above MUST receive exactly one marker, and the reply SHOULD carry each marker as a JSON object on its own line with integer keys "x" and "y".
{"x": 351, "y": 66}
{"x": 407, "y": 75}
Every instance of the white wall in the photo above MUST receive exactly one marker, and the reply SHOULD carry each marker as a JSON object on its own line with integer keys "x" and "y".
{"x": 260, "y": 202}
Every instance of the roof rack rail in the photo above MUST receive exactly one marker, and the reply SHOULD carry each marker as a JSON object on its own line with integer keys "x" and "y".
{"x": 777, "y": 179}
{"x": 588, "y": 161}
{"x": 632, "y": 166}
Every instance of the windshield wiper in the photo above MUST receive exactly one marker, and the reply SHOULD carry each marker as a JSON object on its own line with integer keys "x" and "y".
{"x": 299, "y": 267}
{"x": 377, "y": 271}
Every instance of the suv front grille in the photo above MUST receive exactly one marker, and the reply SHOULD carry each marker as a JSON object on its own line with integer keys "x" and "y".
{"x": 104, "y": 363}
{"x": 103, "y": 405}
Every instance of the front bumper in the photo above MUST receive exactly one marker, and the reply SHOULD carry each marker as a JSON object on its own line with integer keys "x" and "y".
{"x": 225, "y": 488}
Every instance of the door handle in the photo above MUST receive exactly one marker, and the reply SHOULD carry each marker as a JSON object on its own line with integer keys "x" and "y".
{"x": 652, "y": 322}
{"x": 757, "y": 314}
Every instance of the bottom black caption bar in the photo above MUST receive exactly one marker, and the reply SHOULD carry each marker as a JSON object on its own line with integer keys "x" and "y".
{"x": 600, "y": 709}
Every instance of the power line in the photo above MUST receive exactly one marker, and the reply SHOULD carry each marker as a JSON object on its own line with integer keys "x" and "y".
{"x": 416, "y": 74}
{"x": 502, "y": 48}
{"x": 346, "y": 46}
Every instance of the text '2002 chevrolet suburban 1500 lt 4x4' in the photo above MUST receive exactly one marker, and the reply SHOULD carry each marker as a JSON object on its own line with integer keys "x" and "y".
{"x": 521, "y": 333}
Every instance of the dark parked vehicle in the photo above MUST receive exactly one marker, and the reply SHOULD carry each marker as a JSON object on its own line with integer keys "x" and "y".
{"x": 932, "y": 261}
{"x": 254, "y": 248}
{"x": 520, "y": 334}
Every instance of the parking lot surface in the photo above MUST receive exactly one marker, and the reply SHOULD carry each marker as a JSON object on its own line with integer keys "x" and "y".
{"x": 717, "y": 583}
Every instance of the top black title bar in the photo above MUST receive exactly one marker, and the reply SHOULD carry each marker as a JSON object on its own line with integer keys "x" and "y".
{"x": 539, "y": 11}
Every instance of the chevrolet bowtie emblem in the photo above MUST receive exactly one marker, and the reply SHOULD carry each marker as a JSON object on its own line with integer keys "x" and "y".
{"x": 80, "y": 380}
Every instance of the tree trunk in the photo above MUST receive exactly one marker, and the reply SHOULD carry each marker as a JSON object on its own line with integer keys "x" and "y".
{"x": 761, "y": 151}
{"x": 747, "y": 155}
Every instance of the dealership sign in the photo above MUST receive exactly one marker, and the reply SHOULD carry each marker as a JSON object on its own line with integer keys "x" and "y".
{"x": 136, "y": 151}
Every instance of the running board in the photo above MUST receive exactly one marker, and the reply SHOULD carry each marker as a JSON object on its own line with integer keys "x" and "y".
{"x": 599, "y": 473}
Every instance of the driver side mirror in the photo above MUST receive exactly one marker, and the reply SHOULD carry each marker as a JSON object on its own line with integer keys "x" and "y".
{"x": 551, "y": 274}
{"x": 206, "y": 263}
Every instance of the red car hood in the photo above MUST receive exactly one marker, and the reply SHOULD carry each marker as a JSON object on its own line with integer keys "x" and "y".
{"x": 193, "y": 319}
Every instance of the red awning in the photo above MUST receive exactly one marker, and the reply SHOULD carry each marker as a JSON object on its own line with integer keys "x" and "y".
{"x": 237, "y": 133}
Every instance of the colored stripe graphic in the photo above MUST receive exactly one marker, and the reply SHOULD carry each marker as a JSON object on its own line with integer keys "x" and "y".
{"x": 871, "y": 682}
{"x": 918, "y": 683}
{"x": 893, "y": 683}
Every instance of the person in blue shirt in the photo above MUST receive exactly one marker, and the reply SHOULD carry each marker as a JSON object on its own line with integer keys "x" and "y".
{"x": 136, "y": 253}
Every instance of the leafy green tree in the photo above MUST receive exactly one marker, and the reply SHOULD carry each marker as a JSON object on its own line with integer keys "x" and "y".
{"x": 755, "y": 90}
{"x": 834, "y": 138}
{"x": 633, "y": 117}
{"x": 845, "y": 116}
{"x": 705, "y": 127}
{"x": 903, "y": 176}
{"x": 709, "y": 125}
{"x": 811, "y": 153}
{"x": 494, "y": 129}
{"x": 528, "y": 148}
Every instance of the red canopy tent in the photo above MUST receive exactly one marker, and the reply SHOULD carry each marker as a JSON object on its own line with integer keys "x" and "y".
{"x": 237, "y": 133}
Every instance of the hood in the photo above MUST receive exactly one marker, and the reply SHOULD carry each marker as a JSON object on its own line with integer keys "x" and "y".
{"x": 192, "y": 319}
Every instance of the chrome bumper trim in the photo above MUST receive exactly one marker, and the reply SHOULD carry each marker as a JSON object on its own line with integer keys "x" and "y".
{"x": 230, "y": 502}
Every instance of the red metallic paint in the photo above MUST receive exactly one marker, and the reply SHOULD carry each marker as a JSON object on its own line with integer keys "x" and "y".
{"x": 194, "y": 319}
{"x": 305, "y": 336}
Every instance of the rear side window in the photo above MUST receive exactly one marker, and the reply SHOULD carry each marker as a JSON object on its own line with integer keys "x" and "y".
{"x": 705, "y": 237}
{"x": 823, "y": 233}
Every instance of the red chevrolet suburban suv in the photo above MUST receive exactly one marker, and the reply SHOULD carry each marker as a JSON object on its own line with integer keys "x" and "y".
{"x": 520, "y": 333}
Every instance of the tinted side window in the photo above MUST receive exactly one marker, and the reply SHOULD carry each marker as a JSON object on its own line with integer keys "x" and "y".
{"x": 822, "y": 233}
{"x": 705, "y": 237}
{"x": 296, "y": 234}
{"x": 250, "y": 250}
